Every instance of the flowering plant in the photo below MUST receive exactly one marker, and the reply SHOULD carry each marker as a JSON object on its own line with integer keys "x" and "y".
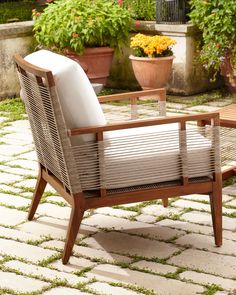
{"x": 77, "y": 24}
{"x": 152, "y": 46}
{"x": 216, "y": 19}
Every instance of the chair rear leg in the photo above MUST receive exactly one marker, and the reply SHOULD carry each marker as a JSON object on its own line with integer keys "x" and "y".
{"x": 77, "y": 212}
{"x": 216, "y": 213}
{"x": 165, "y": 202}
{"x": 38, "y": 192}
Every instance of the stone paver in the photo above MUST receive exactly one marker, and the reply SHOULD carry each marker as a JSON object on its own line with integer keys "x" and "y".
{"x": 18, "y": 235}
{"x": 199, "y": 206}
{"x": 229, "y": 235}
{"x": 6, "y": 178}
{"x": 105, "y": 288}
{"x": 28, "y": 164}
{"x": 44, "y": 272}
{"x": 230, "y": 190}
{"x": 65, "y": 291}
{"x": 29, "y": 156}
{"x": 133, "y": 227}
{"x": 154, "y": 267}
{"x": 56, "y": 199}
{"x": 88, "y": 252}
{"x": 204, "y": 108}
{"x": 204, "y": 198}
{"x": 55, "y": 228}
{"x": 206, "y": 279}
{"x": 29, "y": 252}
{"x": 11, "y": 217}
{"x": 21, "y": 171}
{"x": 115, "y": 212}
{"x": 15, "y": 201}
{"x": 204, "y": 218}
{"x": 11, "y": 150}
{"x": 131, "y": 245}
{"x": 146, "y": 218}
{"x": 11, "y": 189}
{"x": 19, "y": 283}
{"x": 75, "y": 264}
{"x": 187, "y": 226}
{"x": 232, "y": 203}
{"x": 28, "y": 183}
{"x": 207, "y": 242}
{"x": 159, "y": 210}
{"x": 212, "y": 263}
{"x": 160, "y": 285}
{"x": 54, "y": 211}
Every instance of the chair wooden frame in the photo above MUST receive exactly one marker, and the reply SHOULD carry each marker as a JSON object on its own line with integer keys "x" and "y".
{"x": 80, "y": 203}
{"x": 227, "y": 120}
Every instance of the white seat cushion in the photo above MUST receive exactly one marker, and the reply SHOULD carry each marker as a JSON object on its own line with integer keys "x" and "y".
{"x": 152, "y": 156}
{"x": 79, "y": 102}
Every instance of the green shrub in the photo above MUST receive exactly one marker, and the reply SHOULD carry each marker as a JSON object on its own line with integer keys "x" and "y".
{"x": 216, "y": 19}
{"x": 140, "y": 9}
{"x": 77, "y": 24}
{"x": 16, "y": 11}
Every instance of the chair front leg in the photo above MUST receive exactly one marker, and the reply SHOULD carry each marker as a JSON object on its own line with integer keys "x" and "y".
{"x": 216, "y": 211}
{"x": 38, "y": 192}
{"x": 76, "y": 216}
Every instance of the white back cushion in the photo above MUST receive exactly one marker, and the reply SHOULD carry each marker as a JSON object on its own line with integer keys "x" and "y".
{"x": 79, "y": 102}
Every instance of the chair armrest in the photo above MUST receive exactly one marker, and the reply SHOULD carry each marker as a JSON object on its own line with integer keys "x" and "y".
{"x": 158, "y": 94}
{"x": 213, "y": 117}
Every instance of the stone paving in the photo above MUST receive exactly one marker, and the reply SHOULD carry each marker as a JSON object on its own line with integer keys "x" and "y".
{"x": 139, "y": 248}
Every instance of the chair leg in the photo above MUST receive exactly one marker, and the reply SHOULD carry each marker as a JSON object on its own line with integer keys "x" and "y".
{"x": 165, "y": 202}
{"x": 77, "y": 212}
{"x": 38, "y": 192}
{"x": 216, "y": 212}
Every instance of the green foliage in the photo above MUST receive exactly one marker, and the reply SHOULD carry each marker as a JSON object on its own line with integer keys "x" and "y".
{"x": 216, "y": 19}
{"x": 212, "y": 289}
{"x": 20, "y": 11}
{"x": 76, "y": 24}
{"x": 142, "y": 10}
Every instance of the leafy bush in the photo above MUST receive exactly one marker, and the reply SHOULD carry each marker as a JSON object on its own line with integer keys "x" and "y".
{"x": 16, "y": 10}
{"x": 140, "y": 9}
{"x": 76, "y": 24}
{"x": 216, "y": 19}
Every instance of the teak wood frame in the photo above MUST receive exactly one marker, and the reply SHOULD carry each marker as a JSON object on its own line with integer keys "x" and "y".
{"x": 79, "y": 202}
{"x": 227, "y": 120}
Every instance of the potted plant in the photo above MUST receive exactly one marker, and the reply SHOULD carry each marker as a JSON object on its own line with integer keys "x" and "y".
{"x": 77, "y": 27}
{"x": 152, "y": 59}
{"x": 216, "y": 19}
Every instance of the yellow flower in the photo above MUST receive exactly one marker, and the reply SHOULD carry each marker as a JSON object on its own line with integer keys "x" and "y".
{"x": 152, "y": 46}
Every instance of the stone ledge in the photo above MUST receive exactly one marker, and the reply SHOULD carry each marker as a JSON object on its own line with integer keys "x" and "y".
{"x": 17, "y": 29}
{"x": 178, "y": 30}
{"x": 167, "y": 29}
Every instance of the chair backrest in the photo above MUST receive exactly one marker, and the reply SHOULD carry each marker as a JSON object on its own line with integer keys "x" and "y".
{"x": 79, "y": 103}
{"x": 47, "y": 122}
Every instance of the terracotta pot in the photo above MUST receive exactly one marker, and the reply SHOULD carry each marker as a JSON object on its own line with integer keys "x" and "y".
{"x": 228, "y": 72}
{"x": 96, "y": 62}
{"x": 152, "y": 72}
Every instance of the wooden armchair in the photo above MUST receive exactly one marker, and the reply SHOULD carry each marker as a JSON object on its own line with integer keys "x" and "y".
{"x": 95, "y": 165}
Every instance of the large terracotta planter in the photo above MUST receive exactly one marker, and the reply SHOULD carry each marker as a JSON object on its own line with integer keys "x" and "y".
{"x": 228, "y": 72}
{"x": 152, "y": 72}
{"x": 96, "y": 63}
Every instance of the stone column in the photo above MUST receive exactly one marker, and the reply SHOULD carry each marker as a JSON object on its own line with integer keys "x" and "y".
{"x": 14, "y": 38}
{"x": 189, "y": 76}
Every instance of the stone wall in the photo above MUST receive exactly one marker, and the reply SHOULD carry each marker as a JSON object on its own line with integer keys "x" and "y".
{"x": 14, "y": 38}
{"x": 187, "y": 77}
